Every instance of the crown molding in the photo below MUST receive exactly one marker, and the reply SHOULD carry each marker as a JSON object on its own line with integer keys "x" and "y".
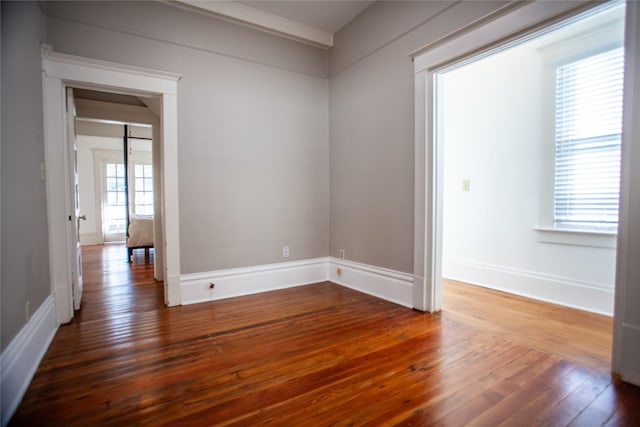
{"x": 248, "y": 16}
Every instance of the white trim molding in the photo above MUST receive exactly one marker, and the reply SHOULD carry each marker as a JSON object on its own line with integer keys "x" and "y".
{"x": 241, "y": 281}
{"x": 593, "y": 297}
{"x": 260, "y": 20}
{"x": 389, "y": 285}
{"x": 386, "y": 284}
{"x": 589, "y": 238}
{"x": 20, "y": 360}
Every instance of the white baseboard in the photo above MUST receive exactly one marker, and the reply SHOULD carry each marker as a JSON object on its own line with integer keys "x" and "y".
{"x": 91, "y": 239}
{"x": 630, "y": 358}
{"x": 251, "y": 280}
{"x": 382, "y": 283}
{"x": 390, "y": 285}
{"x": 21, "y": 358}
{"x": 592, "y": 297}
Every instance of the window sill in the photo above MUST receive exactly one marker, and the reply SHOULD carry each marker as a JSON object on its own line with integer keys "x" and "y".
{"x": 592, "y": 238}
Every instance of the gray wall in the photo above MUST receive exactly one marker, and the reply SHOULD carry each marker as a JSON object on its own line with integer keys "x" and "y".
{"x": 253, "y": 125}
{"x": 371, "y": 93}
{"x": 25, "y": 255}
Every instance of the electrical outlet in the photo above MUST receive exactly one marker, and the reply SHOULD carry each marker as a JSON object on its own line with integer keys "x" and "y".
{"x": 285, "y": 252}
{"x": 466, "y": 185}
{"x": 341, "y": 254}
{"x": 339, "y": 271}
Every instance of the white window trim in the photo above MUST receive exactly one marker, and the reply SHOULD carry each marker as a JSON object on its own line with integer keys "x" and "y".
{"x": 577, "y": 237}
{"x": 572, "y": 48}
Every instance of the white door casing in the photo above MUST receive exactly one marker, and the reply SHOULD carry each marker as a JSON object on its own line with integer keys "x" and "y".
{"x": 59, "y": 71}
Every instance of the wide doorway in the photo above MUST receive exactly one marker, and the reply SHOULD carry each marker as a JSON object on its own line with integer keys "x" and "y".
{"x": 530, "y": 135}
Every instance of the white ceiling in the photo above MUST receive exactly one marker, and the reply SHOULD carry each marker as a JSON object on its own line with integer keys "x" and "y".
{"x": 326, "y": 15}
{"x": 308, "y": 21}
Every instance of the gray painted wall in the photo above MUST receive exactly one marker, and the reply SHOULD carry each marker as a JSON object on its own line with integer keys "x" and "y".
{"x": 25, "y": 254}
{"x": 371, "y": 93}
{"x": 253, "y": 126}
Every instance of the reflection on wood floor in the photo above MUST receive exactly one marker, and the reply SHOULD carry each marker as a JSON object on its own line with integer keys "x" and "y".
{"x": 320, "y": 355}
{"x": 114, "y": 288}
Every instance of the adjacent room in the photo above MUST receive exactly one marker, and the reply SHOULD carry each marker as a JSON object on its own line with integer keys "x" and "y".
{"x": 531, "y": 180}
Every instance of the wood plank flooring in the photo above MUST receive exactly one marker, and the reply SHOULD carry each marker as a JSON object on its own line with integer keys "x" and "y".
{"x": 321, "y": 355}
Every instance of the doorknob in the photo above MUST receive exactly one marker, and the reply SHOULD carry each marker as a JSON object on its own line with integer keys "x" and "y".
{"x": 82, "y": 217}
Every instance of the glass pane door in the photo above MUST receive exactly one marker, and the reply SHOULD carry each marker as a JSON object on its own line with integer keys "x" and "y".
{"x": 115, "y": 202}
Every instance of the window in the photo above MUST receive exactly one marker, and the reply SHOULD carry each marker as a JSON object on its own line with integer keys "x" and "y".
{"x": 115, "y": 210}
{"x": 588, "y": 121}
{"x": 143, "y": 202}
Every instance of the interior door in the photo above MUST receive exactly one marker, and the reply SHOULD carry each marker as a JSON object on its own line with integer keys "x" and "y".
{"x": 75, "y": 217}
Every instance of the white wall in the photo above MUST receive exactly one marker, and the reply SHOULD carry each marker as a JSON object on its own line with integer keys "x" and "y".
{"x": 498, "y": 134}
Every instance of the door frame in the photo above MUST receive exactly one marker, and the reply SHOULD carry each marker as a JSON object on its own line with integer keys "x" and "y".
{"x": 60, "y": 71}
{"x": 509, "y": 24}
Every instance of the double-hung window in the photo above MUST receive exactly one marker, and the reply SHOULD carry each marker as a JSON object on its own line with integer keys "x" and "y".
{"x": 588, "y": 122}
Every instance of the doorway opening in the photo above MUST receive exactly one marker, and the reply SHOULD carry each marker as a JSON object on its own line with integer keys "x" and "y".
{"x": 530, "y": 135}
{"x": 114, "y": 160}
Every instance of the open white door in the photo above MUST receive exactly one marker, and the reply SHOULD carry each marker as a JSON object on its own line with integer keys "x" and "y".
{"x": 75, "y": 217}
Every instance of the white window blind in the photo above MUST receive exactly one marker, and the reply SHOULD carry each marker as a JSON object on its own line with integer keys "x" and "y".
{"x": 588, "y": 127}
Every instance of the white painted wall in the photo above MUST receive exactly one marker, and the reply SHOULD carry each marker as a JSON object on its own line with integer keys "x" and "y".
{"x": 498, "y": 134}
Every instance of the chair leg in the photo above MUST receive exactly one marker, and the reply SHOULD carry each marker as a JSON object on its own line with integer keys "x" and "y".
{"x": 130, "y": 254}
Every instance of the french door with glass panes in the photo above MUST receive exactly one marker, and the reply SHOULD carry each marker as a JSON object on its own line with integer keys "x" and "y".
{"x": 114, "y": 196}
{"x": 114, "y": 212}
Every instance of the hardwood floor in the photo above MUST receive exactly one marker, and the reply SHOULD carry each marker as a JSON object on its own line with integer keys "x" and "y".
{"x": 321, "y": 355}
